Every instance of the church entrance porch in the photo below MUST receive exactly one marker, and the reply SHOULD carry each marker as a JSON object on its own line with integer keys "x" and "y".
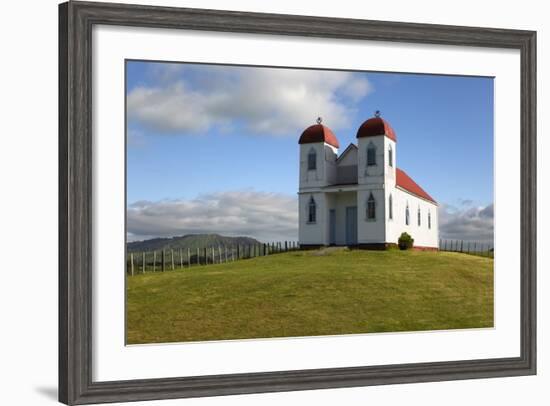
{"x": 341, "y": 225}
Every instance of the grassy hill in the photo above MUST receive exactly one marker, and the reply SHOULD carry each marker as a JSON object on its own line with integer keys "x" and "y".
{"x": 307, "y": 293}
{"x": 191, "y": 241}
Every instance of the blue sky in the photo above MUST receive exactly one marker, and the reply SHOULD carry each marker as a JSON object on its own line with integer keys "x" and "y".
{"x": 203, "y": 137}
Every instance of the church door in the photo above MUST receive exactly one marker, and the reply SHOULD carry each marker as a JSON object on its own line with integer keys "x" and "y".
{"x": 332, "y": 227}
{"x": 351, "y": 225}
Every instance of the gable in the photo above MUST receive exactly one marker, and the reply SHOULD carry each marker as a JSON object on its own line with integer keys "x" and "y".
{"x": 348, "y": 157}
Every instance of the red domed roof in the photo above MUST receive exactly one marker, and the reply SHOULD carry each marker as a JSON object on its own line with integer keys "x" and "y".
{"x": 319, "y": 133}
{"x": 376, "y": 126}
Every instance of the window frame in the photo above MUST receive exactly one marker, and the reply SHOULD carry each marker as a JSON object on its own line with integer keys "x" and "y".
{"x": 371, "y": 148}
{"x": 371, "y": 204}
{"x": 312, "y": 154}
{"x": 311, "y": 209}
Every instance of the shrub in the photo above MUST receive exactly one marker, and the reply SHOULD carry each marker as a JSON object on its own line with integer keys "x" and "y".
{"x": 405, "y": 241}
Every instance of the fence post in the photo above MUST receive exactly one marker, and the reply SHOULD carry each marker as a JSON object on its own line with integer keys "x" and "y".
{"x": 163, "y": 260}
{"x": 205, "y": 256}
{"x": 286, "y": 246}
{"x": 181, "y": 257}
{"x": 475, "y": 244}
{"x": 198, "y": 256}
{"x": 238, "y": 249}
{"x": 154, "y": 261}
{"x": 172, "y": 258}
{"x": 143, "y": 262}
{"x": 188, "y": 257}
{"x": 132, "y": 262}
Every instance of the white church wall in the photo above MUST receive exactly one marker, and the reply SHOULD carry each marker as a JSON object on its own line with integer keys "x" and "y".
{"x": 390, "y": 170}
{"x": 373, "y": 174}
{"x": 325, "y": 171}
{"x": 369, "y": 230}
{"x": 422, "y": 234}
{"x": 312, "y": 233}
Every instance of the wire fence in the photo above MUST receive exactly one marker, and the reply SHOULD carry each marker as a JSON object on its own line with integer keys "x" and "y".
{"x": 171, "y": 259}
{"x": 467, "y": 247}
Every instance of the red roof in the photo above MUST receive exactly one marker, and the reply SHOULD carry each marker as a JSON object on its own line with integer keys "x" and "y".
{"x": 376, "y": 126}
{"x": 318, "y": 133}
{"x": 404, "y": 181}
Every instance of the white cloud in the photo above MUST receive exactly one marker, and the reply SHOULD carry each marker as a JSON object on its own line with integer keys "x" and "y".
{"x": 270, "y": 217}
{"x": 262, "y": 215}
{"x": 469, "y": 223}
{"x": 263, "y": 100}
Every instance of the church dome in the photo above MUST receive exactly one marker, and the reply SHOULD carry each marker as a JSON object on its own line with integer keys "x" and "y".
{"x": 319, "y": 133}
{"x": 376, "y": 126}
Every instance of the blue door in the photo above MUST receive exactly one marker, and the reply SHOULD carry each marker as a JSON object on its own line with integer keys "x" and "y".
{"x": 351, "y": 225}
{"x": 332, "y": 227}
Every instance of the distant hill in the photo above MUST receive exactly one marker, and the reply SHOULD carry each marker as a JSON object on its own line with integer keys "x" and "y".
{"x": 191, "y": 241}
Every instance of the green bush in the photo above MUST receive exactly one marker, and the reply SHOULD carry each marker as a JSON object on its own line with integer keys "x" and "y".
{"x": 405, "y": 241}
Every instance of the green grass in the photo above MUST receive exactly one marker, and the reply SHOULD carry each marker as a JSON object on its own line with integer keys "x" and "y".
{"x": 303, "y": 293}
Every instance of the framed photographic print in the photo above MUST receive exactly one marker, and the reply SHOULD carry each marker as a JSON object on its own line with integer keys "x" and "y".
{"x": 256, "y": 202}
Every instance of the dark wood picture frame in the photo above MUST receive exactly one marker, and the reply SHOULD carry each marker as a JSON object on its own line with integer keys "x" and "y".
{"x": 76, "y": 20}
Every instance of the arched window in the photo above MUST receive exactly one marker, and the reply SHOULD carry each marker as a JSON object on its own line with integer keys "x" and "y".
{"x": 371, "y": 155}
{"x": 311, "y": 160}
{"x": 311, "y": 211}
{"x": 371, "y": 208}
{"x": 419, "y": 217}
{"x": 407, "y": 215}
{"x": 429, "y": 220}
{"x": 390, "y": 209}
{"x": 390, "y": 156}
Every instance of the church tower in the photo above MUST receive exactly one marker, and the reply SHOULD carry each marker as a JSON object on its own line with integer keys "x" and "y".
{"x": 376, "y": 163}
{"x": 318, "y": 154}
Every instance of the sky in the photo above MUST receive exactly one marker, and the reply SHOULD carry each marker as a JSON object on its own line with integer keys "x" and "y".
{"x": 214, "y": 148}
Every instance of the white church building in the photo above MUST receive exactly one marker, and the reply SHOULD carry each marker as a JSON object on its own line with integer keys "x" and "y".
{"x": 360, "y": 197}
